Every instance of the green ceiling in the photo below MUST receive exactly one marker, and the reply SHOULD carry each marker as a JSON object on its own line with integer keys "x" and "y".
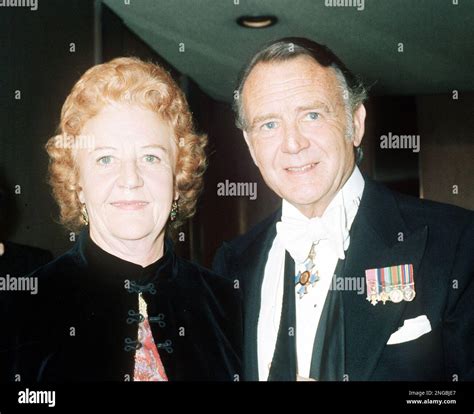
{"x": 437, "y": 37}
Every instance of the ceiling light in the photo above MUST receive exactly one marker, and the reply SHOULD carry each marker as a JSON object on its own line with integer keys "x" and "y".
{"x": 256, "y": 22}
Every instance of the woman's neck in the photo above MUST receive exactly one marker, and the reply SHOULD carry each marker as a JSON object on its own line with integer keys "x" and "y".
{"x": 142, "y": 252}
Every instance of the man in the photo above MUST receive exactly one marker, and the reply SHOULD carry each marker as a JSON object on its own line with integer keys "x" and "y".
{"x": 347, "y": 280}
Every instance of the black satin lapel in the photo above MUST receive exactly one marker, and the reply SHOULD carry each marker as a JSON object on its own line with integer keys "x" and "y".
{"x": 328, "y": 358}
{"x": 283, "y": 367}
{"x": 250, "y": 272}
{"x": 368, "y": 327}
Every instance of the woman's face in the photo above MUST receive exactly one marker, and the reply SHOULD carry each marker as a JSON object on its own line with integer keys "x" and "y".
{"x": 126, "y": 177}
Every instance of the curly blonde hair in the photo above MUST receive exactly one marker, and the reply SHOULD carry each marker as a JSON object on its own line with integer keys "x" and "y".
{"x": 131, "y": 81}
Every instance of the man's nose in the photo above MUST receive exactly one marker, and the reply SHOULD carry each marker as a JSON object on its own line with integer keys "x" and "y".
{"x": 130, "y": 176}
{"x": 293, "y": 140}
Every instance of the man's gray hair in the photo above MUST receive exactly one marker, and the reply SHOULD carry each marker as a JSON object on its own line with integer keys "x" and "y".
{"x": 353, "y": 90}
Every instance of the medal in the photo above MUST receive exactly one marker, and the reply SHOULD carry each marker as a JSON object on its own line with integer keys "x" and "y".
{"x": 408, "y": 293}
{"x": 305, "y": 279}
{"x": 394, "y": 284}
{"x": 309, "y": 276}
{"x": 384, "y": 296}
{"x": 396, "y": 295}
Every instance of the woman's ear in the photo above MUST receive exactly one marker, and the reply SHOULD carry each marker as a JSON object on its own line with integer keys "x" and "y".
{"x": 80, "y": 194}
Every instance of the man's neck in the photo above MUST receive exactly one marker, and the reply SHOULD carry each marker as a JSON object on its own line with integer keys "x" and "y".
{"x": 317, "y": 209}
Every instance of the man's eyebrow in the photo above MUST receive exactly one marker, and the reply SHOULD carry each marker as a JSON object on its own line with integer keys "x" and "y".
{"x": 262, "y": 118}
{"x": 314, "y": 105}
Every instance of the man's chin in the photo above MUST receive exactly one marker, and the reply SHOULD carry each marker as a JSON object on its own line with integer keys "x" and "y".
{"x": 303, "y": 199}
{"x": 309, "y": 205}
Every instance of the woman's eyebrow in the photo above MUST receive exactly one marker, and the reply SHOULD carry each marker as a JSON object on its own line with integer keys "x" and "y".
{"x": 155, "y": 146}
{"x": 104, "y": 148}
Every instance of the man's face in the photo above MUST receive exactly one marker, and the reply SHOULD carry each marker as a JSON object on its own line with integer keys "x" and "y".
{"x": 296, "y": 131}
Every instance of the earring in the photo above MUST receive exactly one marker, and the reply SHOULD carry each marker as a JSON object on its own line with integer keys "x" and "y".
{"x": 84, "y": 215}
{"x": 174, "y": 210}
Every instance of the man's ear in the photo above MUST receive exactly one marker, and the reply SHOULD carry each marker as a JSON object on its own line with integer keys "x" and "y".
{"x": 359, "y": 125}
{"x": 248, "y": 140}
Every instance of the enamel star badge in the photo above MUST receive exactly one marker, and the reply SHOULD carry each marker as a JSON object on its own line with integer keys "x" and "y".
{"x": 308, "y": 277}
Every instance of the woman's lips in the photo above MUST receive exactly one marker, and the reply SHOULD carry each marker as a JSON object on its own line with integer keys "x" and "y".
{"x": 130, "y": 205}
{"x": 303, "y": 169}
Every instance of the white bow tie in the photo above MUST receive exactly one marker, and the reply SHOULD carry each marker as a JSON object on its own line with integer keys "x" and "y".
{"x": 298, "y": 235}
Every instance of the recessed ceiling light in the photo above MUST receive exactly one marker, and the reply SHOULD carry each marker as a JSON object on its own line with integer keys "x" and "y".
{"x": 256, "y": 22}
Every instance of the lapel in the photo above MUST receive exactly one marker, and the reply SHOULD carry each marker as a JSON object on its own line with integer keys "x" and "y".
{"x": 328, "y": 356}
{"x": 374, "y": 244}
{"x": 249, "y": 269}
{"x": 284, "y": 364}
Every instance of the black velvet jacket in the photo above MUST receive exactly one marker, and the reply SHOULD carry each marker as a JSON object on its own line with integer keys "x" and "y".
{"x": 83, "y": 323}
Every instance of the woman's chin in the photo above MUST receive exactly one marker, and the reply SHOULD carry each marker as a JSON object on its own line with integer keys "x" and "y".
{"x": 132, "y": 232}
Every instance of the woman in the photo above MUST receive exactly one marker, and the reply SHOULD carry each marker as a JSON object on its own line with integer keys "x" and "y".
{"x": 120, "y": 305}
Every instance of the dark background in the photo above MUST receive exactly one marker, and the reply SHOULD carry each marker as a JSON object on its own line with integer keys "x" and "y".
{"x": 36, "y": 59}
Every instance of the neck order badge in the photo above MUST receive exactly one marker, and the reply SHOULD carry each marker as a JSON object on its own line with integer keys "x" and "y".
{"x": 309, "y": 276}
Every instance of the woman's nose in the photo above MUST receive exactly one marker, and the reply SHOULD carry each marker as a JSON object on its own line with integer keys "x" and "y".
{"x": 130, "y": 176}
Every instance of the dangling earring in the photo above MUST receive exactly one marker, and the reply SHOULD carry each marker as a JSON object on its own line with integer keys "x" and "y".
{"x": 174, "y": 210}
{"x": 84, "y": 215}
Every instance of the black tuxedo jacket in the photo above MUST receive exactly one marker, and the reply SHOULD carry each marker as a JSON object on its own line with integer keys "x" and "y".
{"x": 82, "y": 325}
{"x": 438, "y": 239}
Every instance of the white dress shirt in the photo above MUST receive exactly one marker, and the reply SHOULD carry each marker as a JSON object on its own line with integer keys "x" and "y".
{"x": 310, "y": 306}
